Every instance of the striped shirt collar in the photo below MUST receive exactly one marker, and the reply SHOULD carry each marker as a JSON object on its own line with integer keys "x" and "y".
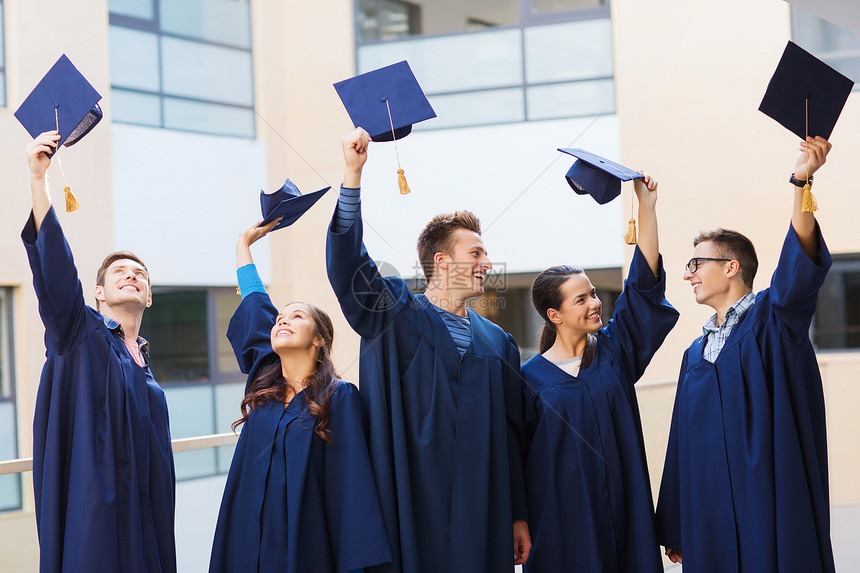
{"x": 116, "y": 328}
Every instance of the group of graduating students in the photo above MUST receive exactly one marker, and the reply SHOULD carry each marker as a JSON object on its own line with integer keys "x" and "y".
{"x": 451, "y": 457}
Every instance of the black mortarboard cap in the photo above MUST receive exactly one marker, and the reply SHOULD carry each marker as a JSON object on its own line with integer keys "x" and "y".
{"x": 597, "y": 176}
{"x": 287, "y": 204}
{"x": 67, "y": 91}
{"x": 365, "y": 97}
{"x": 802, "y": 82}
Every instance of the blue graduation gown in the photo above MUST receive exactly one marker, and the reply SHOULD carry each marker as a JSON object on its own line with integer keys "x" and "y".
{"x": 102, "y": 460}
{"x": 446, "y": 431}
{"x": 292, "y": 502}
{"x": 745, "y": 481}
{"x": 587, "y": 481}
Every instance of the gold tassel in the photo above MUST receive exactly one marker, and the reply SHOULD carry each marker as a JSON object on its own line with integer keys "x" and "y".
{"x": 630, "y": 237}
{"x": 71, "y": 201}
{"x": 238, "y": 291}
{"x": 401, "y": 180}
{"x": 810, "y": 205}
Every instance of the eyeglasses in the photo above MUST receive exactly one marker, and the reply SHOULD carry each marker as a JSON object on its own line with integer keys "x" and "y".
{"x": 693, "y": 264}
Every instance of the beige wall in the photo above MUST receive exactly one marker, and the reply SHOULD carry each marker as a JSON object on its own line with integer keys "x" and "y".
{"x": 689, "y": 80}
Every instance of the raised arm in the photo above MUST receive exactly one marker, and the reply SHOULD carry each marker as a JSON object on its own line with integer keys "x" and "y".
{"x": 365, "y": 297}
{"x": 38, "y": 163}
{"x": 250, "y": 326}
{"x": 813, "y": 154}
{"x": 646, "y": 193}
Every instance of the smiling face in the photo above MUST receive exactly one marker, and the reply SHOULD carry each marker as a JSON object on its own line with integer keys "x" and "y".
{"x": 711, "y": 282}
{"x": 294, "y": 329}
{"x": 126, "y": 282}
{"x": 465, "y": 268}
{"x": 580, "y": 307}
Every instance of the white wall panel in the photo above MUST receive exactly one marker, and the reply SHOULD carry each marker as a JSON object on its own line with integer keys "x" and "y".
{"x": 180, "y": 200}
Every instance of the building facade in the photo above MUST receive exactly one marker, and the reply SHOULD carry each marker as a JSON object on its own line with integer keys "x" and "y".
{"x": 208, "y": 102}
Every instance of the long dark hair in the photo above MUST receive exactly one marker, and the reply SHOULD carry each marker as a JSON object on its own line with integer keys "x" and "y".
{"x": 546, "y": 294}
{"x": 269, "y": 384}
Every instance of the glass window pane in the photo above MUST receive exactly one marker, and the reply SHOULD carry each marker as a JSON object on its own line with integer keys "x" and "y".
{"x": 133, "y": 59}
{"x": 835, "y": 45}
{"x": 2, "y": 89}
{"x": 384, "y": 19}
{"x": 571, "y": 100}
{"x": 134, "y": 8}
{"x": 837, "y": 317}
{"x": 228, "y": 397}
{"x": 175, "y": 326}
{"x": 477, "y": 108}
{"x": 208, "y": 118}
{"x": 223, "y": 21}
{"x": 206, "y": 72}
{"x": 2, "y": 37}
{"x": 131, "y": 107}
{"x": 544, "y": 6}
{"x": 10, "y": 485}
{"x": 569, "y": 51}
{"x": 454, "y": 63}
{"x": 6, "y": 379}
{"x": 226, "y": 304}
{"x": 192, "y": 414}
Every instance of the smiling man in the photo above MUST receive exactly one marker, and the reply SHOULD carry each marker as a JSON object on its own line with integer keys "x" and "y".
{"x": 102, "y": 462}
{"x": 745, "y": 481}
{"x": 441, "y": 385}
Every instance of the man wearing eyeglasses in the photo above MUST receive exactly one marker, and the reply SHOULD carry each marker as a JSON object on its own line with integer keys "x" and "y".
{"x": 745, "y": 480}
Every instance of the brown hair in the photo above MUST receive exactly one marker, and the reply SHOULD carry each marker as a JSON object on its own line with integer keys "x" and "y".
{"x": 733, "y": 245}
{"x": 111, "y": 259}
{"x": 269, "y": 384}
{"x": 546, "y": 294}
{"x": 437, "y": 237}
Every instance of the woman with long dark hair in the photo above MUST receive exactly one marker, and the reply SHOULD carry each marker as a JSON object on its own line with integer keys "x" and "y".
{"x": 589, "y": 496}
{"x": 300, "y": 495}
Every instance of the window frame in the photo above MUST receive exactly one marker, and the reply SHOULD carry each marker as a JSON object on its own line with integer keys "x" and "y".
{"x": 526, "y": 20}
{"x": 843, "y": 263}
{"x": 6, "y": 347}
{"x": 153, "y": 26}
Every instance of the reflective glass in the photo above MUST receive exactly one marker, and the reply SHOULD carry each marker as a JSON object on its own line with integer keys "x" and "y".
{"x": 2, "y": 37}
{"x": 135, "y": 8}
{"x": 175, "y": 326}
{"x": 226, "y": 303}
{"x": 191, "y": 415}
{"x": 571, "y": 100}
{"x": 835, "y": 45}
{"x": 208, "y": 118}
{"x": 477, "y": 108}
{"x": 132, "y": 107}
{"x": 228, "y": 398}
{"x": 10, "y": 485}
{"x": 6, "y": 380}
{"x": 454, "y": 63}
{"x": 201, "y": 71}
{"x": 544, "y": 6}
{"x": 133, "y": 59}
{"x": 388, "y": 19}
{"x": 569, "y": 51}
{"x": 222, "y": 21}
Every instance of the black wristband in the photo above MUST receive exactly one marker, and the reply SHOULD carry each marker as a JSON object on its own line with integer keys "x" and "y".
{"x": 798, "y": 183}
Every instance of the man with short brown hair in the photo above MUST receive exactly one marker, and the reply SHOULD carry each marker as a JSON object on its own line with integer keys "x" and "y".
{"x": 442, "y": 389}
{"x": 103, "y": 472}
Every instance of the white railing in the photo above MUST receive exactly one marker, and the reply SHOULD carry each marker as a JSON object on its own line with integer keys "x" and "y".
{"x": 21, "y": 465}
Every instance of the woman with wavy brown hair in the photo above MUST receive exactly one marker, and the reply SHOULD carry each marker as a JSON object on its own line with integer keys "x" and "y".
{"x": 300, "y": 495}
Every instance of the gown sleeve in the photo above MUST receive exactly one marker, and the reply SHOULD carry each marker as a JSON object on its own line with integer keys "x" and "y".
{"x": 55, "y": 278}
{"x": 642, "y": 318}
{"x": 249, "y": 331}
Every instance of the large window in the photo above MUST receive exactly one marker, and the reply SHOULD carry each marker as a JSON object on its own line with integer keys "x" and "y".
{"x": 194, "y": 363}
{"x": 10, "y": 485}
{"x": 2, "y": 57}
{"x": 829, "y": 42}
{"x": 837, "y": 317}
{"x": 495, "y": 61}
{"x": 182, "y": 65}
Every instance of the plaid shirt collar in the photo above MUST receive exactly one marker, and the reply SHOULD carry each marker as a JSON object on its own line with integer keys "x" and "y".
{"x": 116, "y": 328}
{"x": 733, "y": 315}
